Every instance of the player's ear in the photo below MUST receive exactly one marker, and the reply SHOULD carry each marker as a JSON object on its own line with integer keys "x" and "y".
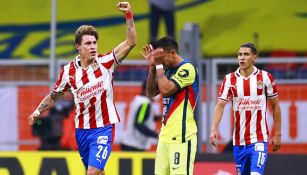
{"x": 77, "y": 46}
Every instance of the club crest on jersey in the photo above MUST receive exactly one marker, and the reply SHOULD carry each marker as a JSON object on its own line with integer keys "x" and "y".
{"x": 183, "y": 73}
{"x": 102, "y": 140}
{"x": 259, "y": 84}
{"x": 95, "y": 66}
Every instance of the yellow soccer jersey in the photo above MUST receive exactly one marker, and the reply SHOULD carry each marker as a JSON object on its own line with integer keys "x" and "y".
{"x": 178, "y": 109}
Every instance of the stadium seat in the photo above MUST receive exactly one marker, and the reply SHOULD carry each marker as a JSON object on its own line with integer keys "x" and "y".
{"x": 280, "y": 71}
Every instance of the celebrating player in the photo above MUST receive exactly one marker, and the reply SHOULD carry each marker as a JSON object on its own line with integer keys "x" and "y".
{"x": 249, "y": 88}
{"x": 89, "y": 78}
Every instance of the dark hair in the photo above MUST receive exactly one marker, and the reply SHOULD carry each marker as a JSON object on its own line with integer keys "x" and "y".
{"x": 166, "y": 43}
{"x": 85, "y": 30}
{"x": 251, "y": 46}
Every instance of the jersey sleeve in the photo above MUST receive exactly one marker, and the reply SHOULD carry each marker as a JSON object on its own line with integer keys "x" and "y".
{"x": 184, "y": 76}
{"x": 61, "y": 84}
{"x": 225, "y": 89}
{"x": 271, "y": 88}
{"x": 108, "y": 60}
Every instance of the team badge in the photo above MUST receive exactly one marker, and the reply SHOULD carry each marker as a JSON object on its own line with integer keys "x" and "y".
{"x": 183, "y": 73}
{"x": 95, "y": 66}
{"x": 259, "y": 85}
{"x": 102, "y": 140}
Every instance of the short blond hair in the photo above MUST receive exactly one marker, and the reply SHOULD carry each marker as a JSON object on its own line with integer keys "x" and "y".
{"x": 85, "y": 30}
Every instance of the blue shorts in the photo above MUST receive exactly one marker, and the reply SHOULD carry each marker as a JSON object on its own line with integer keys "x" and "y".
{"x": 250, "y": 158}
{"x": 95, "y": 146}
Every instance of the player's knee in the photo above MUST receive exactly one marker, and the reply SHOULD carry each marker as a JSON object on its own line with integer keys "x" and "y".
{"x": 94, "y": 171}
{"x": 255, "y": 173}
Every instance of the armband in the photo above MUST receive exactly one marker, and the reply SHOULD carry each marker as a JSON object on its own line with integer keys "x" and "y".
{"x": 128, "y": 15}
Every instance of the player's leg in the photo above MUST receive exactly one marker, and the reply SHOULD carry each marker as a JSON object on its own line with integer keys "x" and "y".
{"x": 258, "y": 158}
{"x": 241, "y": 157}
{"x": 81, "y": 138}
{"x": 162, "y": 162}
{"x": 100, "y": 149}
{"x": 182, "y": 157}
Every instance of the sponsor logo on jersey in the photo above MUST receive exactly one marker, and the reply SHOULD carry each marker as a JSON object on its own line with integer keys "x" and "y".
{"x": 88, "y": 92}
{"x": 248, "y": 104}
{"x": 102, "y": 140}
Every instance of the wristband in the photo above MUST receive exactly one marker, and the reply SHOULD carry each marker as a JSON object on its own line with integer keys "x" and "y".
{"x": 159, "y": 66}
{"x": 36, "y": 113}
{"x": 128, "y": 15}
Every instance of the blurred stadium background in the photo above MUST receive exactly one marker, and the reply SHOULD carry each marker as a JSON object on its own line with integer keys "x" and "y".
{"x": 209, "y": 32}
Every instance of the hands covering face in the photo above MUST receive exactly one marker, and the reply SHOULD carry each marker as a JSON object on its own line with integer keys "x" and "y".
{"x": 153, "y": 56}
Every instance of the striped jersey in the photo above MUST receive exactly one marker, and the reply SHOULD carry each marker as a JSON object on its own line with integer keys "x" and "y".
{"x": 249, "y": 99}
{"x": 178, "y": 109}
{"x": 92, "y": 88}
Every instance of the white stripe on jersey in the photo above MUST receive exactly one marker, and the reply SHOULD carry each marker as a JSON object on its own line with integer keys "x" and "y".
{"x": 249, "y": 96}
{"x": 92, "y": 89}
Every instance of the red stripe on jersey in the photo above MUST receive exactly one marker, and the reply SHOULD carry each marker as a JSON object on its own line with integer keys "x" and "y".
{"x": 104, "y": 109}
{"x": 92, "y": 111}
{"x": 192, "y": 98}
{"x": 116, "y": 111}
{"x": 72, "y": 75}
{"x": 222, "y": 89}
{"x": 177, "y": 101}
{"x": 84, "y": 77}
{"x": 266, "y": 126}
{"x": 98, "y": 73}
{"x": 237, "y": 133}
{"x": 259, "y": 83}
{"x": 81, "y": 116}
{"x": 273, "y": 83}
{"x": 248, "y": 117}
{"x": 258, "y": 127}
{"x": 233, "y": 81}
{"x": 246, "y": 87}
{"x": 66, "y": 87}
{"x": 108, "y": 64}
{"x": 59, "y": 80}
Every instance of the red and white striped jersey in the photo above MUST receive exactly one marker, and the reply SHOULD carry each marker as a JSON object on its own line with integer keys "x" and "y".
{"x": 249, "y": 97}
{"x": 92, "y": 89}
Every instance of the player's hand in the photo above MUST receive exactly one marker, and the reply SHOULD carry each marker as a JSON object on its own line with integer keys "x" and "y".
{"x": 33, "y": 117}
{"x": 276, "y": 143}
{"x": 213, "y": 136}
{"x": 159, "y": 56}
{"x": 124, "y": 7}
{"x": 148, "y": 54}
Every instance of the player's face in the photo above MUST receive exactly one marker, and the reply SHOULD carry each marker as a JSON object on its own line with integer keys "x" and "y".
{"x": 169, "y": 59}
{"x": 246, "y": 58}
{"x": 88, "y": 47}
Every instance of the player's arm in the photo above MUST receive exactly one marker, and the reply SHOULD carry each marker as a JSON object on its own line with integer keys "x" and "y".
{"x": 277, "y": 123}
{"x": 122, "y": 50}
{"x": 46, "y": 104}
{"x": 218, "y": 114}
{"x": 166, "y": 86}
{"x": 152, "y": 88}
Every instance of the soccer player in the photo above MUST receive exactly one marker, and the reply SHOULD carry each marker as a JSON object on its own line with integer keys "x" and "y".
{"x": 249, "y": 88}
{"x": 89, "y": 78}
{"x": 176, "y": 79}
